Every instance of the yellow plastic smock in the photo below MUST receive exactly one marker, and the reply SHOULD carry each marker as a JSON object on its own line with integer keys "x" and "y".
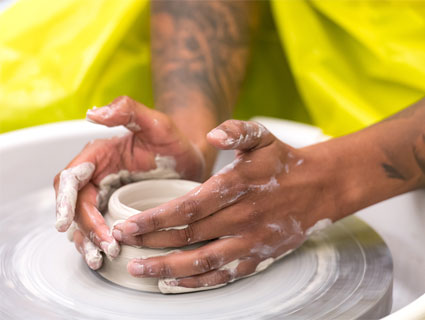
{"x": 59, "y": 58}
{"x": 339, "y": 64}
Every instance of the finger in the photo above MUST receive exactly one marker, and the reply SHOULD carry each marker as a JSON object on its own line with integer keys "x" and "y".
{"x": 88, "y": 250}
{"x": 210, "y": 280}
{"x": 225, "y": 222}
{"x": 127, "y": 112}
{"x": 240, "y": 135}
{"x": 70, "y": 181}
{"x": 70, "y": 232}
{"x": 187, "y": 263}
{"x": 91, "y": 222}
{"x": 216, "y": 193}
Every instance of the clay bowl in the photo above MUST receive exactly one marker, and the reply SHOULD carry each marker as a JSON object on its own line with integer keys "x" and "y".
{"x": 130, "y": 200}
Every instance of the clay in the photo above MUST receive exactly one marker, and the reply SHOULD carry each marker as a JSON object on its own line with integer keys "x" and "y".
{"x": 130, "y": 200}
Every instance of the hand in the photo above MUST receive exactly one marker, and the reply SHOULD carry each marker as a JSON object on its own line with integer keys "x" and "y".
{"x": 154, "y": 146}
{"x": 255, "y": 210}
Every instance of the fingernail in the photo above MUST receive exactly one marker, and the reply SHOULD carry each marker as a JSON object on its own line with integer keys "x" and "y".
{"x": 111, "y": 249}
{"x": 129, "y": 227}
{"x": 136, "y": 268}
{"x": 61, "y": 224}
{"x": 117, "y": 234}
{"x": 92, "y": 255}
{"x": 218, "y": 134}
{"x": 103, "y": 112}
{"x": 104, "y": 246}
{"x": 89, "y": 113}
{"x": 94, "y": 260}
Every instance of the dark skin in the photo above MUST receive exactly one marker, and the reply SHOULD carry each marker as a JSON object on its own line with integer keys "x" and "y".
{"x": 200, "y": 50}
{"x": 273, "y": 193}
{"x": 329, "y": 180}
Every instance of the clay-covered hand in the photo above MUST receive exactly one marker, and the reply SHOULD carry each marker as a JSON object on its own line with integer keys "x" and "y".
{"x": 255, "y": 210}
{"x": 153, "y": 148}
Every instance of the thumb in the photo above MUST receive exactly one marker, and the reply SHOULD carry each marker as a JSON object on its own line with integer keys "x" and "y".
{"x": 126, "y": 112}
{"x": 240, "y": 135}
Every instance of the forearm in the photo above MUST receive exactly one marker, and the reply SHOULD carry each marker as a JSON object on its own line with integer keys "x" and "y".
{"x": 200, "y": 50}
{"x": 377, "y": 163}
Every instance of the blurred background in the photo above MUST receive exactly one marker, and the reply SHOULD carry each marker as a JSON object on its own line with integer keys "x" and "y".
{"x": 340, "y": 65}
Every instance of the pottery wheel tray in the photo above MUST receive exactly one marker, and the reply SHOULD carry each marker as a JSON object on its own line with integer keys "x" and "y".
{"x": 343, "y": 272}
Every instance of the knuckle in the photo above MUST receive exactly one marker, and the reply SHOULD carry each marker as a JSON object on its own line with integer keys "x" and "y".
{"x": 189, "y": 211}
{"x": 154, "y": 222}
{"x": 138, "y": 241}
{"x": 208, "y": 261}
{"x": 165, "y": 270}
{"x": 186, "y": 235}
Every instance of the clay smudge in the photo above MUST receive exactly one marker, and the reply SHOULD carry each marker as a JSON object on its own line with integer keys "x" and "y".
{"x": 165, "y": 169}
{"x": 69, "y": 183}
{"x": 229, "y": 167}
{"x": 318, "y": 226}
{"x": 91, "y": 254}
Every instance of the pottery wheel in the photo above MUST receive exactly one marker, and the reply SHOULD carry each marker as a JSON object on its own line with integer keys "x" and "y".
{"x": 344, "y": 272}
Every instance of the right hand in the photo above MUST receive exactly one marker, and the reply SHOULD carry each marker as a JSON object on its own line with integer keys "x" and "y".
{"x": 84, "y": 186}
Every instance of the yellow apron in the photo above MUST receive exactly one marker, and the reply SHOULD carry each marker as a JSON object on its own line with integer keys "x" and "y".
{"x": 341, "y": 65}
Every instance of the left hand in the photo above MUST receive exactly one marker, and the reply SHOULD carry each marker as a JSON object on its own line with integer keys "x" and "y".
{"x": 258, "y": 207}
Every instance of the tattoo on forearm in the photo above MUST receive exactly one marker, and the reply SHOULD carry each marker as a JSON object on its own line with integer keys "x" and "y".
{"x": 392, "y": 172}
{"x": 201, "y": 46}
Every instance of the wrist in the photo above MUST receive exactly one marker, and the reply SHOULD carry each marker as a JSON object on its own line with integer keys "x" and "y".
{"x": 194, "y": 118}
{"x": 326, "y": 173}
{"x": 353, "y": 168}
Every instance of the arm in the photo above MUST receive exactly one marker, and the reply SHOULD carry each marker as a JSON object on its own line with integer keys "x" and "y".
{"x": 379, "y": 162}
{"x": 263, "y": 204}
{"x": 200, "y": 51}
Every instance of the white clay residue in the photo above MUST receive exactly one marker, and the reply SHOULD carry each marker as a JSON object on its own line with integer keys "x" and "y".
{"x": 70, "y": 181}
{"x": 237, "y": 196}
{"x": 174, "y": 228}
{"x": 169, "y": 285}
{"x": 275, "y": 228}
{"x": 229, "y": 167}
{"x": 107, "y": 112}
{"x": 263, "y": 265}
{"x": 269, "y": 186}
{"x": 165, "y": 169}
{"x": 111, "y": 249}
{"x": 91, "y": 254}
{"x": 299, "y": 162}
{"x": 320, "y": 225}
{"x": 133, "y": 126}
{"x": 231, "y": 267}
{"x": 252, "y": 130}
{"x": 70, "y": 232}
{"x": 263, "y": 251}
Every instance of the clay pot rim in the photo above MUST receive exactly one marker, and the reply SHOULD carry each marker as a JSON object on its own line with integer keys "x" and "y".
{"x": 119, "y": 210}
